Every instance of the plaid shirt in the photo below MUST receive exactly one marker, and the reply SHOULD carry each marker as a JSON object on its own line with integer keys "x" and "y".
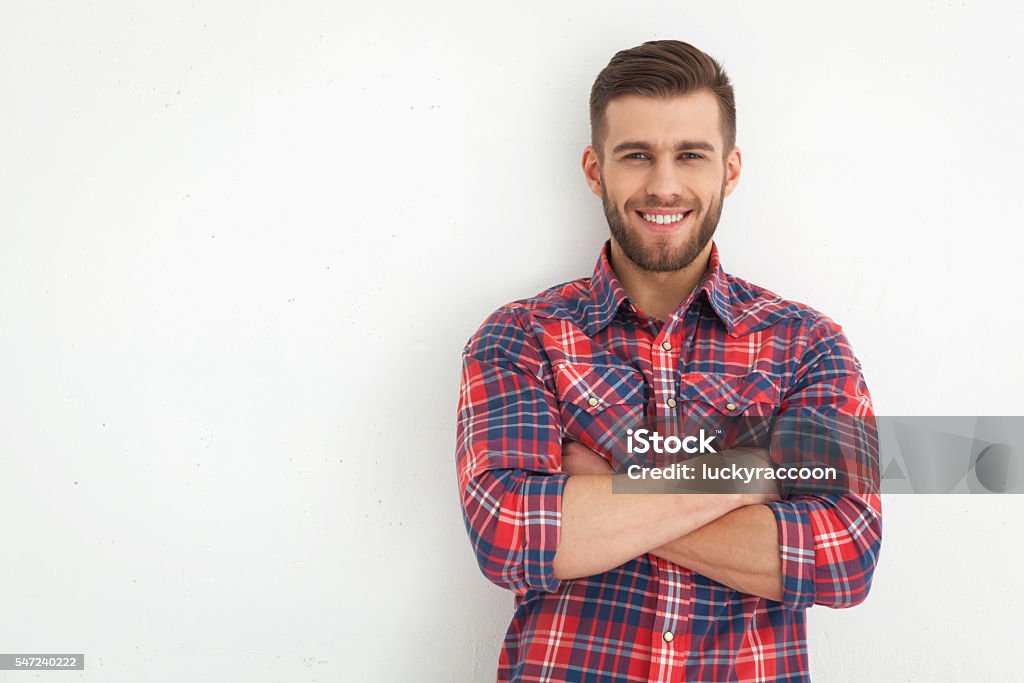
{"x": 530, "y": 377}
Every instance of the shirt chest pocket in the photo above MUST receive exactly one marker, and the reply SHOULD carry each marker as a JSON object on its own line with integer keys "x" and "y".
{"x": 740, "y": 407}
{"x": 598, "y": 403}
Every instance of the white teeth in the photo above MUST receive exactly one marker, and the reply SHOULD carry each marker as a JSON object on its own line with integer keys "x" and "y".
{"x": 658, "y": 218}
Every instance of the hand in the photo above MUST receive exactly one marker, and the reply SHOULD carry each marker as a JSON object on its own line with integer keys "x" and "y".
{"x": 578, "y": 459}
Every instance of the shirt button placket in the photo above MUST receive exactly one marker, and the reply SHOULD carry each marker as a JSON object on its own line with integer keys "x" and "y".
{"x": 665, "y": 373}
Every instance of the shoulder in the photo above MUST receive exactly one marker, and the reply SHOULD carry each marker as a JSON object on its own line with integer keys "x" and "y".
{"x": 567, "y": 301}
{"x": 756, "y": 308}
{"x": 519, "y": 327}
{"x": 808, "y": 335}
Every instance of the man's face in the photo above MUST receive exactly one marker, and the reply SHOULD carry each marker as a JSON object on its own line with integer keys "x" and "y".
{"x": 663, "y": 177}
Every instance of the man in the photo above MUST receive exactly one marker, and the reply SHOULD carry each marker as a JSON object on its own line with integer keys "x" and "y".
{"x": 614, "y": 586}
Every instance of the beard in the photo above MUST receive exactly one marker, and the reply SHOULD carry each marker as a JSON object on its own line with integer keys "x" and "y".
{"x": 661, "y": 257}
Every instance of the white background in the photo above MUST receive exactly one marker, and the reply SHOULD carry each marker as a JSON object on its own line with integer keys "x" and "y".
{"x": 244, "y": 243}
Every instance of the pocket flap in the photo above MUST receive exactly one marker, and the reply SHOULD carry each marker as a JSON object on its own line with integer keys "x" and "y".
{"x": 730, "y": 394}
{"x": 595, "y": 387}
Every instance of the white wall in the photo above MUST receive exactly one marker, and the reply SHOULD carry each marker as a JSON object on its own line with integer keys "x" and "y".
{"x": 243, "y": 244}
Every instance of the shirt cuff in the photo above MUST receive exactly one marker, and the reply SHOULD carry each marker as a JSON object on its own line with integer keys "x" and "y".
{"x": 796, "y": 548}
{"x": 542, "y": 520}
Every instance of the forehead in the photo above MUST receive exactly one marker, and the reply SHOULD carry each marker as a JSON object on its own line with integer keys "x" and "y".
{"x": 662, "y": 122}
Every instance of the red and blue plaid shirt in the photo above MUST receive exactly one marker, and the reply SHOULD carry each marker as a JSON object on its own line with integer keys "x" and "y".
{"x": 530, "y": 374}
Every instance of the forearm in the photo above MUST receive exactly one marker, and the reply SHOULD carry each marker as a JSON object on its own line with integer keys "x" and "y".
{"x": 740, "y": 549}
{"x": 601, "y": 529}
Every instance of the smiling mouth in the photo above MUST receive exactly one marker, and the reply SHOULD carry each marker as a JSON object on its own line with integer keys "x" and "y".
{"x": 664, "y": 219}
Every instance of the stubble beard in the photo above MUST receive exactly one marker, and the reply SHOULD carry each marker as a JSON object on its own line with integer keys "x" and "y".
{"x": 661, "y": 257}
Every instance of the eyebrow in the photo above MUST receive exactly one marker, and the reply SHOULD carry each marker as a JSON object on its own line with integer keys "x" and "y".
{"x": 682, "y": 146}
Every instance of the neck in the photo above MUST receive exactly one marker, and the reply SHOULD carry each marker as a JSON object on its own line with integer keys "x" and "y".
{"x": 658, "y": 294}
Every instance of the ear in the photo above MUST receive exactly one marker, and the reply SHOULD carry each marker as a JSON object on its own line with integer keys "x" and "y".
{"x": 733, "y": 163}
{"x": 592, "y": 169}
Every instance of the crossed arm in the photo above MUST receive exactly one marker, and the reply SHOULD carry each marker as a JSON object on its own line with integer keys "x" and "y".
{"x": 730, "y": 538}
{"x": 534, "y": 518}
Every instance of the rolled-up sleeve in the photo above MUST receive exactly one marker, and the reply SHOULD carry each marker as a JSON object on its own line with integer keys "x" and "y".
{"x": 508, "y": 455}
{"x": 829, "y": 547}
{"x": 829, "y": 541}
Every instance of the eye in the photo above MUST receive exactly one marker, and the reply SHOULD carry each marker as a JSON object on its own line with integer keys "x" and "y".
{"x": 636, "y": 155}
{"x": 691, "y": 155}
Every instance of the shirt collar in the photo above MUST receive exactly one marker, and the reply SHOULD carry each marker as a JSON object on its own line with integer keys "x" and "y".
{"x": 607, "y": 294}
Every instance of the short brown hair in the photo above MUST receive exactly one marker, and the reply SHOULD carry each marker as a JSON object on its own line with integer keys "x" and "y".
{"x": 661, "y": 68}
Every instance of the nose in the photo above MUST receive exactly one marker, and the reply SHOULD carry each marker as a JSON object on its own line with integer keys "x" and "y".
{"x": 664, "y": 182}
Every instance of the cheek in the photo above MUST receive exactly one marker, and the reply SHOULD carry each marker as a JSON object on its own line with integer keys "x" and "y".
{"x": 634, "y": 201}
{"x": 624, "y": 187}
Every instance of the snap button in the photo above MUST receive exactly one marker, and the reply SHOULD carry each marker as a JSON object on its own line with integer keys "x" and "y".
{"x": 668, "y": 636}
{"x": 671, "y": 403}
{"x": 593, "y": 401}
{"x": 666, "y": 345}
{"x": 730, "y": 406}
